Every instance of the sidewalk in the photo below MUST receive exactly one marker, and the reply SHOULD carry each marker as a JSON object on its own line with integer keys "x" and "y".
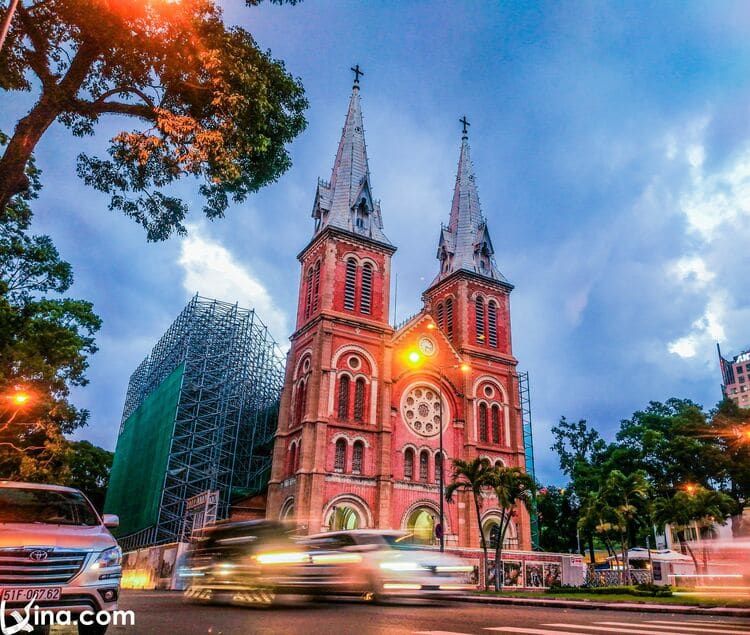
{"x": 725, "y": 611}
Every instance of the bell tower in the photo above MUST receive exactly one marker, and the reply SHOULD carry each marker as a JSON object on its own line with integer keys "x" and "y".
{"x": 328, "y": 436}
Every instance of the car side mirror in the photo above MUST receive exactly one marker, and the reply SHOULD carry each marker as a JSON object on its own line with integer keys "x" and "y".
{"x": 111, "y": 520}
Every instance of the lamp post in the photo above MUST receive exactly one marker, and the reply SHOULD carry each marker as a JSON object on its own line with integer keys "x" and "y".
{"x": 417, "y": 359}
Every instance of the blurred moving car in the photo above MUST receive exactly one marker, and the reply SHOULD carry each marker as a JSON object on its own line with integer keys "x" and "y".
{"x": 378, "y": 564}
{"x": 248, "y": 562}
{"x": 56, "y": 551}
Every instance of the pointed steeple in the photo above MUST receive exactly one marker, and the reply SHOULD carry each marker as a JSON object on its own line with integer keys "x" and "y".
{"x": 346, "y": 202}
{"x": 465, "y": 243}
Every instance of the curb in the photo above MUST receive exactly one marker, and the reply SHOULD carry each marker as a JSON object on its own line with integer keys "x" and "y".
{"x": 682, "y": 609}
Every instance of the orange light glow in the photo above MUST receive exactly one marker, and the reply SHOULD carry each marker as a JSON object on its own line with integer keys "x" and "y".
{"x": 19, "y": 398}
{"x": 414, "y": 357}
{"x": 465, "y": 368}
{"x": 430, "y": 325}
{"x": 690, "y": 489}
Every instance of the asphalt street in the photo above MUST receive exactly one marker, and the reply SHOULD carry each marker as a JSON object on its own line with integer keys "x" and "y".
{"x": 166, "y": 613}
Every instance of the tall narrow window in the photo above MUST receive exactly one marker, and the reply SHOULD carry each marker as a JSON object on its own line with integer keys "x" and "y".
{"x": 492, "y": 322}
{"x": 350, "y": 284}
{"x": 479, "y": 311}
{"x": 409, "y": 464}
{"x": 339, "y": 461}
{"x": 359, "y": 399}
{"x": 483, "y": 422}
{"x": 316, "y": 287}
{"x": 301, "y": 403}
{"x": 292, "y": 459}
{"x": 449, "y": 318}
{"x": 357, "y": 456}
{"x": 297, "y": 456}
{"x": 424, "y": 464}
{"x": 495, "y": 423}
{"x": 438, "y": 466}
{"x": 441, "y": 316}
{"x": 308, "y": 292}
{"x": 343, "y": 410}
{"x": 365, "y": 298}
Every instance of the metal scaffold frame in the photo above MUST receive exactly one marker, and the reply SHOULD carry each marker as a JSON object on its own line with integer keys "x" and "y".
{"x": 528, "y": 444}
{"x": 226, "y": 412}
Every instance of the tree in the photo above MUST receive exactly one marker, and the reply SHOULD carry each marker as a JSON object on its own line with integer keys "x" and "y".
{"x": 88, "y": 468}
{"x": 558, "y": 511}
{"x": 700, "y": 505}
{"x": 512, "y": 486}
{"x": 44, "y": 345}
{"x": 209, "y": 103}
{"x": 730, "y": 426}
{"x": 471, "y": 476}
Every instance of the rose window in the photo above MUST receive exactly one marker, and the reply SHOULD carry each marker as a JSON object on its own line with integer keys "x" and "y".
{"x": 420, "y": 408}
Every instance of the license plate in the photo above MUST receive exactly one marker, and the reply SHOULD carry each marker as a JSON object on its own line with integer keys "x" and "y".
{"x": 26, "y": 594}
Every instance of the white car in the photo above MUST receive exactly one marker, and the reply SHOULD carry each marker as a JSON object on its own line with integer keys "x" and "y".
{"x": 56, "y": 551}
{"x": 378, "y": 564}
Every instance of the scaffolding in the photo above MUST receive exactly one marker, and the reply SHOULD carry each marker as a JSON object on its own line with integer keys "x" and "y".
{"x": 223, "y": 420}
{"x": 528, "y": 444}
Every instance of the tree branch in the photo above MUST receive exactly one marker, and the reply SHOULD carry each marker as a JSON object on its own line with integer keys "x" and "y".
{"x": 37, "y": 58}
{"x": 120, "y": 90}
{"x": 113, "y": 107}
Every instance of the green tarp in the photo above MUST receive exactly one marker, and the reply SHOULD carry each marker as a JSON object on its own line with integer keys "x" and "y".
{"x": 137, "y": 476}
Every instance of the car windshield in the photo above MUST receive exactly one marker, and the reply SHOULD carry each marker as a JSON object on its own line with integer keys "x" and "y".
{"x": 393, "y": 541}
{"x": 44, "y": 506}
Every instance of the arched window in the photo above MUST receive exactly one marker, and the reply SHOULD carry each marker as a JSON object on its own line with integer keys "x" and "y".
{"x": 499, "y": 464}
{"x": 343, "y": 410}
{"x": 297, "y": 456}
{"x": 438, "y": 466}
{"x": 492, "y": 322}
{"x": 495, "y": 423}
{"x": 339, "y": 461}
{"x": 316, "y": 287}
{"x": 483, "y": 422}
{"x": 292, "y": 459}
{"x": 424, "y": 465}
{"x": 449, "y": 318}
{"x": 301, "y": 402}
{"x": 350, "y": 284}
{"x": 365, "y": 298}
{"x": 359, "y": 399}
{"x": 440, "y": 313}
{"x": 357, "y": 457}
{"x": 409, "y": 464}
{"x": 308, "y": 292}
{"x": 479, "y": 314}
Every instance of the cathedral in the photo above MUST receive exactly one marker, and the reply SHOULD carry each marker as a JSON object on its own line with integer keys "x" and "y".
{"x": 366, "y": 407}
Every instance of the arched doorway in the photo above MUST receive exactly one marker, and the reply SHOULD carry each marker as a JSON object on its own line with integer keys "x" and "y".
{"x": 344, "y": 517}
{"x": 511, "y": 534}
{"x": 421, "y": 524}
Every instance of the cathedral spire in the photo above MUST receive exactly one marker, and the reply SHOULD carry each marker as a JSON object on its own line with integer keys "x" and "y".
{"x": 465, "y": 243}
{"x": 346, "y": 202}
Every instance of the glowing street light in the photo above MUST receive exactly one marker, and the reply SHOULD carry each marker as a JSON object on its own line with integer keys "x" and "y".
{"x": 20, "y": 398}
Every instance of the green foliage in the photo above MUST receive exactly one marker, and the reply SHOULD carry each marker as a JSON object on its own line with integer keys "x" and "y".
{"x": 558, "y": 512}
{"x": 44, "y": 347}
{"x": 641, "y": 590}
{"x": 208, "y": 103}
{"x": 88, "y": 468}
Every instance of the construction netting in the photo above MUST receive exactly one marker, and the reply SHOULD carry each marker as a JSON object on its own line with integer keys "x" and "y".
{"x": 137, "y": 477}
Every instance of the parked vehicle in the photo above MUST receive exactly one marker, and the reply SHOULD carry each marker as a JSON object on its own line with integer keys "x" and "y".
{"x": 56, "y": 550}
{"x": 379, "y": 564}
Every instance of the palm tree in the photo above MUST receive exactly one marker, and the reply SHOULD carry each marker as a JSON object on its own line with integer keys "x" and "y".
{"x": 471, "y": 476}
{"x": 511, "y": 486}
{"x": 705, "y": 507}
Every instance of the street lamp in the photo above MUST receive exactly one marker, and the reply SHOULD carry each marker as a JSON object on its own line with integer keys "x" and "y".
{"x": 417, "y": 359}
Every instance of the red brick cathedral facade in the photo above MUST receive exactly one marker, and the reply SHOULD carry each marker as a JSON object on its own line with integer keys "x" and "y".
{"x": 358, "y": 436}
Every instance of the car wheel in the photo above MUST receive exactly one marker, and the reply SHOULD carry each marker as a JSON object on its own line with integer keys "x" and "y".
{"x": 91, "y": 629}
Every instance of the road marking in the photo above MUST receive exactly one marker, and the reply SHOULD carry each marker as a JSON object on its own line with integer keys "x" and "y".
{"x": 617, "y": 627}
{"x": 535, "y": 631}
{"x": 717, "y": 628}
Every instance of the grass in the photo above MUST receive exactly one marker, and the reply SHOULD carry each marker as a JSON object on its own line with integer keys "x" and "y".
{"x": 678, "y": 598}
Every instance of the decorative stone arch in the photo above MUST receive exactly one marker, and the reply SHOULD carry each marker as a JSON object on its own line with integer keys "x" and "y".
{"x": 426, "y": 504}
{"x": 370, "y": 261}
{"x": 361, "y": 376}
{"x": 363, "y": 440}
{"x": 307, "y": 353}
{"x": 347, "y": 500}
{"x": 352, "y": 254}
{"x": 489, "y": 379}
{"x": 286, "y": 511}
{"x": 409, "y": 446}
{"x": 502, "y": 402}
{"x": 372, "y": 380}
{"x": 494, "y": 516}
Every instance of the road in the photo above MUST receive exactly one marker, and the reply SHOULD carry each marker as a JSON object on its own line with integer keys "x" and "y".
{"x": 159, "y": 613}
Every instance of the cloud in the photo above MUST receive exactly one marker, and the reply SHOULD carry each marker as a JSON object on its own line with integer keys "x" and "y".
{"x": 213, "y": 271}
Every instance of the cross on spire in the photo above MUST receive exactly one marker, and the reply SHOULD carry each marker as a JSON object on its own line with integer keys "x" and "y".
{"x": 357, "y": 73}
{"x": 465, "y": 123}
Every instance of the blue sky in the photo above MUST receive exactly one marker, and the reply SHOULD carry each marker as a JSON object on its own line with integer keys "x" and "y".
{"x": 612, "y": 151}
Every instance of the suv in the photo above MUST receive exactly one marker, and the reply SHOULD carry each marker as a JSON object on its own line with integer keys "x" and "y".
{"x": 56, "y": 551}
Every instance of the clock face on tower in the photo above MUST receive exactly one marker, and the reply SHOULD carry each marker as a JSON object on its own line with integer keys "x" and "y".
{"x": 427, "y": 346}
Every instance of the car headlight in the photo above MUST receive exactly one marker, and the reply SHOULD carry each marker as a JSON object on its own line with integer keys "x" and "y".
{"x": 111, "y": 557}
{"x": 400, "y": 566}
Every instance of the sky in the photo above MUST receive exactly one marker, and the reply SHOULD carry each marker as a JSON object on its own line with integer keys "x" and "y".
{"x": 611, "y": 144}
